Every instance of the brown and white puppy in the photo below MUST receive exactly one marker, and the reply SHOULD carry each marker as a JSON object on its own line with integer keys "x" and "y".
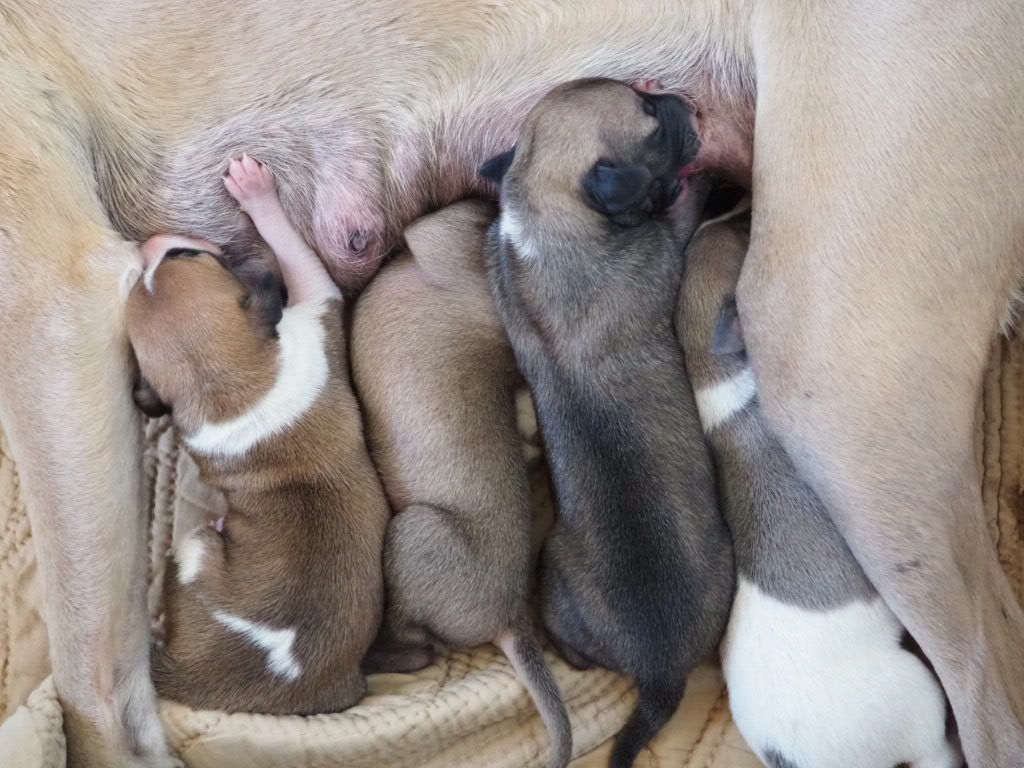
{"x": 437, "y": 378}
{"x": 820, "y": 672}
{"x": 853, "y": 253}
{"x": 274, "y": 611}
{"x": 585, "y": 264}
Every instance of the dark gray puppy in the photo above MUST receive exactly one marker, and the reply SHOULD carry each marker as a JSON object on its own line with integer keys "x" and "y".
{"x": 585, "y": 265}
{"x": 820, "y": 671}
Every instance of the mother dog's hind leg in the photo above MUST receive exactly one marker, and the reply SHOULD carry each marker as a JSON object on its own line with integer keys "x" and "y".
{"x": 888, "y": 232}
{"x": 66, "y": 408}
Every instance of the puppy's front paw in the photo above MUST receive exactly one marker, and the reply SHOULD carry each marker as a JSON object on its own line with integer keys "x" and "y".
{"x": 250, "y": 182}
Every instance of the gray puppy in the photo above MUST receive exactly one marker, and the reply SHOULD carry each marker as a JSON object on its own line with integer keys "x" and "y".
{"x": 437, "y": 380}
{"x": 585, "y": 265}
{"x": 820, "y": 672}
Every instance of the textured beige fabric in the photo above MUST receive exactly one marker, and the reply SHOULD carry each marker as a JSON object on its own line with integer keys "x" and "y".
{"x": 467, "y": 710}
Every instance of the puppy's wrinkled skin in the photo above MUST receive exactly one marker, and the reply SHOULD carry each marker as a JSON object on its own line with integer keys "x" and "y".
{"x": 274, "y": 611}
{"x": 817, "y": 671}
{"x": 585, "y": 266}
{"x": 437, "y": 378}
{"x": 878, "y": 247}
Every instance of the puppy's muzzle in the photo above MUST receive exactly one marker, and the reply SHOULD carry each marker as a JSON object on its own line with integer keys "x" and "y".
{"x": 674, "y": 145}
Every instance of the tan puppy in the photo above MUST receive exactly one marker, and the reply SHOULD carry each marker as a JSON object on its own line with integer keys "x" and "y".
{"x": 274, "y": 611}
{"x": 436, "y": 376}
{"x": 879, "y": 247}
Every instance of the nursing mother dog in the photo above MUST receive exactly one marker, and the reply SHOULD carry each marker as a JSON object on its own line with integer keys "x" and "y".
{"x": 886, "y": 244}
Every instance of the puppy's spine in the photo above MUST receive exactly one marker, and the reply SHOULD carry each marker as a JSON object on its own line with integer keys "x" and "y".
{"x": 655, "y": 706}
{"x": 520, "y": 645}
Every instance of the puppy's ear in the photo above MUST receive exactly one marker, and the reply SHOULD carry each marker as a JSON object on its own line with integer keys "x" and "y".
{"x": 617, "y": 190}
{"x": 728, "y": 336}
{"x": 496, "y": 168}
{"x": 265, "y": 299}
{"x": 148, "y": 401}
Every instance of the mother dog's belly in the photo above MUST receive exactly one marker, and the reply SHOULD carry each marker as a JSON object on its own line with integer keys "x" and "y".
{"x": 363, "y": 138}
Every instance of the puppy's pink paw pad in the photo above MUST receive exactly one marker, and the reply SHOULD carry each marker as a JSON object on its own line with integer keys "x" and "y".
{"x": 647, "y": 86}
{"x": 248, "y": 180}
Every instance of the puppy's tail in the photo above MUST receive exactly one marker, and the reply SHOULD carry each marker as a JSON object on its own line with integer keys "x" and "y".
{"x": 656, "y": 704}
{"x": 520, "y": 645}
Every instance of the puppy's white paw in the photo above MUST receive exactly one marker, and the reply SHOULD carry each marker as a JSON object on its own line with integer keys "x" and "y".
{"x": 250, "y": 183}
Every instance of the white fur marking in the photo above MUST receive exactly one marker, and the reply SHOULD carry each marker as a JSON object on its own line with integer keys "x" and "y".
{"x": 824, "y": 688}
{"x": 149, "y": 275}
{"x": 1013, "y": 312}
{"x": 723, "y": 400}
{"x": 302, "y": 375}
{"x": 128, "y": 280}
{"x": 511, "y": 228}
{"x": 189, "y": 557}
{"x": 277, "y": 643}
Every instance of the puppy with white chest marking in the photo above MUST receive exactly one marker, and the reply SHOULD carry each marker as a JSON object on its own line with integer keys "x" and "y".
{"x": 274, "y": 611}
{"x": 820, "y": 671}
{"x": 585, "y": 265}
{"x": 437, "y": 379}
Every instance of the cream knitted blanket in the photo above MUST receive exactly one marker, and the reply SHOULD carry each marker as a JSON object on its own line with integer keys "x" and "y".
{"x": 468, "y": 709}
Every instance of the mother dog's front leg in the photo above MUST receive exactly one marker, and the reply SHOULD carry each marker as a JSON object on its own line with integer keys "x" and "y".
{"x": 65, "y": 405}
{"x": 886, "y": 241}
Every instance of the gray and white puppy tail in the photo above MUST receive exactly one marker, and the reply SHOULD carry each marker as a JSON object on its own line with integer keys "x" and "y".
{"x": 520, "y": 644}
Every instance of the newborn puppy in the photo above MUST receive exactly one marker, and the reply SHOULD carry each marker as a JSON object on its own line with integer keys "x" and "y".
{"x": 274, "y": 612}
{"x": 818, "y": 668}
{"x": 437, "y": 378}
{"x": 585, "y": 265}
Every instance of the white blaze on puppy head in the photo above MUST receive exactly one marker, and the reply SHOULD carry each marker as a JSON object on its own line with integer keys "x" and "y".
{"x": 510, "y": 228}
